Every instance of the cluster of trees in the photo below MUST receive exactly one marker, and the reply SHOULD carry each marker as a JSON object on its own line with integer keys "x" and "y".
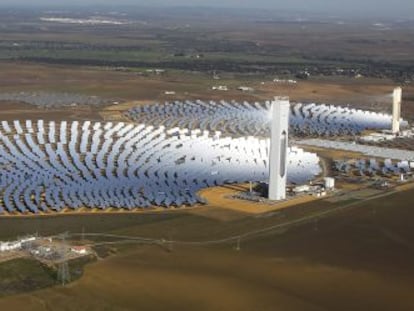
{"x": 398, "y": 73}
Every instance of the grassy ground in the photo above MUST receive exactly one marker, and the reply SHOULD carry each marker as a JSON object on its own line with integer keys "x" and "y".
{"x": 28, "y": 275}
{"x": 24, "y": 275}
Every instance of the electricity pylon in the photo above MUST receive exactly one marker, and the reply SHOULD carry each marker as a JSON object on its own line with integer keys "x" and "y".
{"x": 63, "y": 273}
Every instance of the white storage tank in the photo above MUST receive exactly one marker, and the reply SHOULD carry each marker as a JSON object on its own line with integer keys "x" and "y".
{"x": 329, "y": 183}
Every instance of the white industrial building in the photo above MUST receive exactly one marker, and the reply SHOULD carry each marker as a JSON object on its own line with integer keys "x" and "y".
{"x": 80, "y": 250}
{"x": 220, "y": 88}
{"x": 301, "y": 189}
{"x": 15, "y": 245}
{"x": 245, "y": 89}
{"x": 10, "y": 246}
{"x": 329, "y": 183}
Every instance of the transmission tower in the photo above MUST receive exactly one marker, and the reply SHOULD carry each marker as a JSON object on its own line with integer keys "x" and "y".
{"x": 238, "y": 244}
{"x": 63, "y": 273}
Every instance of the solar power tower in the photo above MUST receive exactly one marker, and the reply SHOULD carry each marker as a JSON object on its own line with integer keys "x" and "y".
{"x": 278, "y": 148}
{"x": 396, "y": 110}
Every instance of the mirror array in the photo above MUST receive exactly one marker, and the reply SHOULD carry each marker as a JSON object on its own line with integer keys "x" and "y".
{"x": 52, "y": 99}
{"x": 244, "y": 119}
{"x": 52, "y": 166}
{"x": 370, "y": 151}
{"x": 371, "y": 167}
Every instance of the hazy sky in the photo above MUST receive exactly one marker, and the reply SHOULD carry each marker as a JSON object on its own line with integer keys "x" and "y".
{"x": 371, "y": 7}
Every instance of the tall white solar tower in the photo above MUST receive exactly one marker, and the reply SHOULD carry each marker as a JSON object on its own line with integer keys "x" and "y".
{"x": 396, "y": 110}
{"x": 278, "y": 148}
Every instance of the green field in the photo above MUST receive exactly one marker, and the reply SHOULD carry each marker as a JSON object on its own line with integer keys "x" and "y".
{"x": 24, "y": 275}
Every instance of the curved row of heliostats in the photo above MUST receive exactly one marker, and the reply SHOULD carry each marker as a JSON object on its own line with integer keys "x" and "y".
{"x": 244, "y": 119}
{"x": 51, "y": 166}
{"x": 373, "y": 167}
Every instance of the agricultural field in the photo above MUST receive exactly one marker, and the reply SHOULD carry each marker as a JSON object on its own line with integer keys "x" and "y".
{"x": 130, "y": 90}
{"x": 205, "y": 40}
{"x": 149, "y": 54}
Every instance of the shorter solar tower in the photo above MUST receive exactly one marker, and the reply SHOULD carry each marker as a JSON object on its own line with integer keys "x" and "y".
{"x": 278, "y": 148}
{"x": 396, "y": 110}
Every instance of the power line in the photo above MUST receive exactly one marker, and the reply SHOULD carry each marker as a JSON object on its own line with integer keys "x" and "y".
{"x": 63, "y": 272}
{"x": 237, "y": 238}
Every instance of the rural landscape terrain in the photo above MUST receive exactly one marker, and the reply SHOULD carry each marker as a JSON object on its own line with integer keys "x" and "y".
{"x": 351, "y": 250}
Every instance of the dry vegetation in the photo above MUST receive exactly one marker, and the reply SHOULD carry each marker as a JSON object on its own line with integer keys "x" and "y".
{"x": 343, "y": 262}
